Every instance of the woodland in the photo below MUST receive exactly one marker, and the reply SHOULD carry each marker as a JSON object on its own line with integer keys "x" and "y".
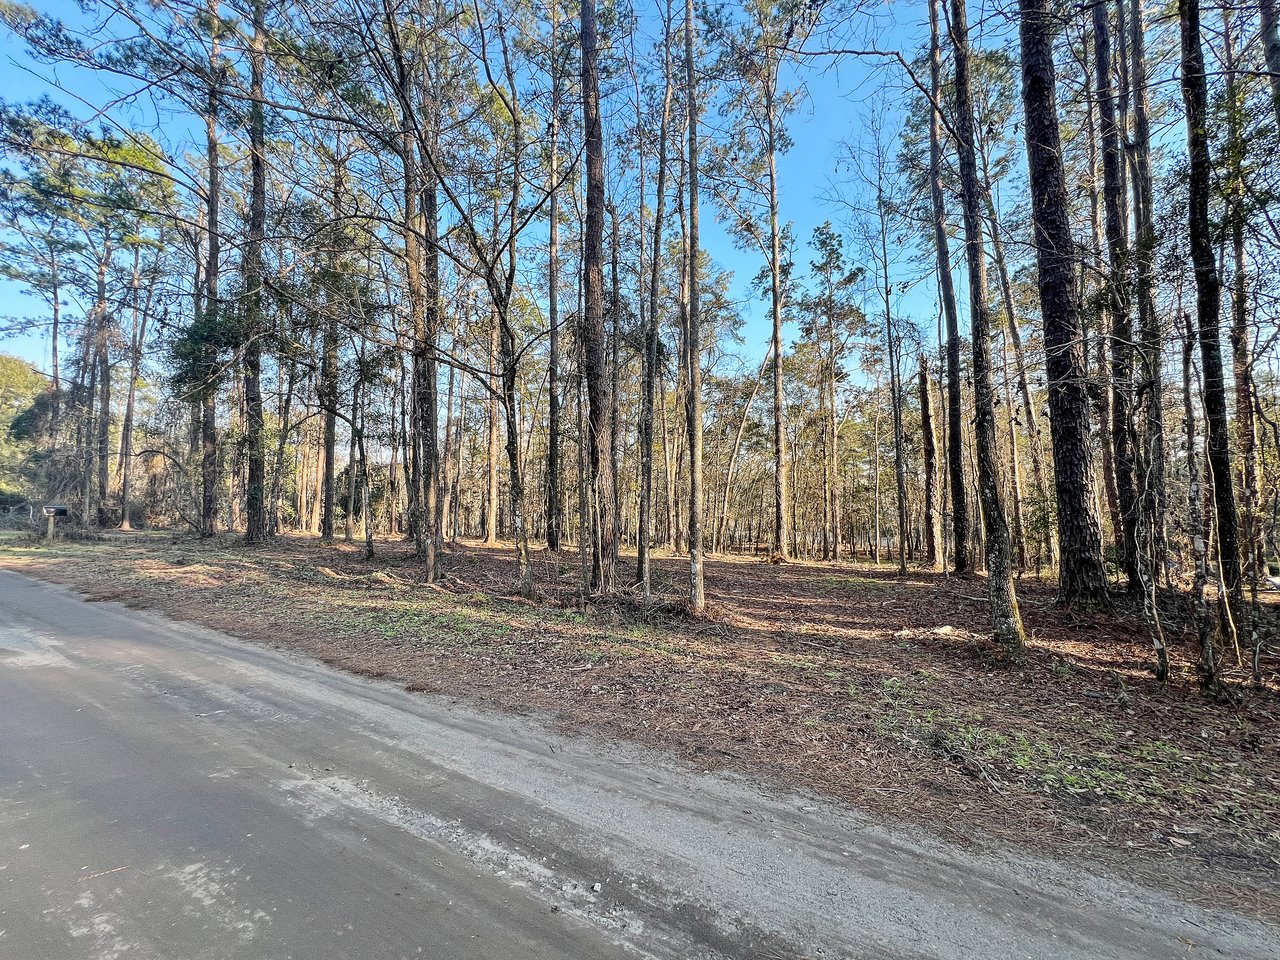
{"x": 408, "y": 274}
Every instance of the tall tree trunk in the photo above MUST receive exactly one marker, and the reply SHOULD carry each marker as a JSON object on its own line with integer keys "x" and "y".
{"x": 604, "y": 555}
{"x": 413, "y": 268}
{"x": 1208, "y": 297}
{"x": 1116, "y": 293}
{"x": 651, "y": 373}
{"x": 1241, "y": 347}
{"x": 426, "y": 373}
{"x": 555, "y": 499}
{"x": 426, "y": 363}
{"x": 418, "y": 104}
{"x": 1100, "y": 383}
{"x": 615, "y": 365}
{"x": 693, "y": 338}
{"x": 584, "y": 499}
{"x": 781, "y": 486}
{"x": 1006, "y": 622}
{"x": 947, "y": 293}
{"x": 1082, "y": 577}
{"x": 256, "y": 486}
{"x": 1152, "y": 530}
{"x": 212, "y": 305}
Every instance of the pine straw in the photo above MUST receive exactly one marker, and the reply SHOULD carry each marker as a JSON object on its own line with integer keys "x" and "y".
{"x": 844, "y": 681}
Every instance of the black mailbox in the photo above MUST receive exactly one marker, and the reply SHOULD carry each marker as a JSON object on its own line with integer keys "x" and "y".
{"x": 56, "y": 510}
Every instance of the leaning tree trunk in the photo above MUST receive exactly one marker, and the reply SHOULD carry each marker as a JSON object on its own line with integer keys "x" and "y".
{"x": 734, "y": 453}
{"x": 1082, "y": 577}
{"x": 1015, "y": 468}
{"x": 141, "y": 315}
{"x": 1006, "y": 621}
{"x": 1038, "y": 471}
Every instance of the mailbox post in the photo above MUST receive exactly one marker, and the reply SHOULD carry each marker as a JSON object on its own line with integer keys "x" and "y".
{"x": 53, "y": 511}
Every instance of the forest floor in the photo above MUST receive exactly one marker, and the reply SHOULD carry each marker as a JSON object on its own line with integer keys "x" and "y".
{"x": 844, "y": 680}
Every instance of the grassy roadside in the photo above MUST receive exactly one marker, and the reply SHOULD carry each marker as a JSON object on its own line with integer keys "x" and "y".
{"x": 845, "y": 681}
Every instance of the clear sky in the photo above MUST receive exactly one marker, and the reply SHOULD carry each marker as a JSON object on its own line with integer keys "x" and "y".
{"x": 840, "y": 95}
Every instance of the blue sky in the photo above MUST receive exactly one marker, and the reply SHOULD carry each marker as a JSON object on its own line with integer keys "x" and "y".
{"x": 840, "y": 95}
